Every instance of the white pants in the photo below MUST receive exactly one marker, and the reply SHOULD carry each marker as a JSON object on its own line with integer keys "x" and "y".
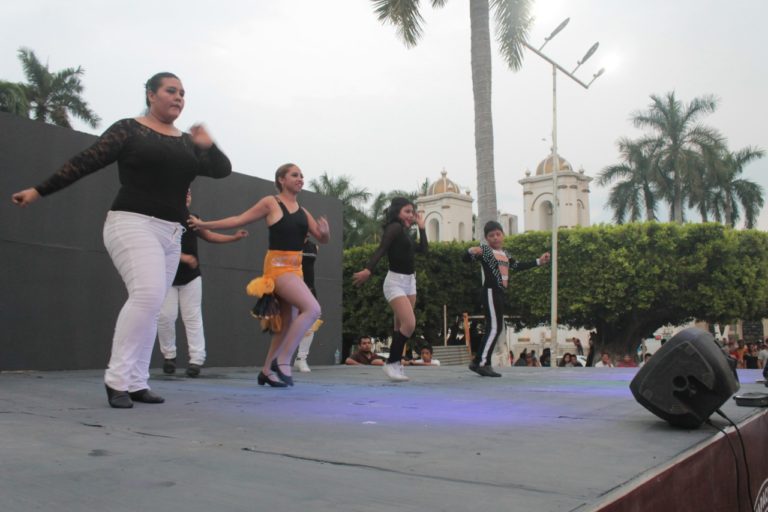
{"x": 188, "y": 297}
{"x": 306, "y": 343}
{"x": 145, "y": 251}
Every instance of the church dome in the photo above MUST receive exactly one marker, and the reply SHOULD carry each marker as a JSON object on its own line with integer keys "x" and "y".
{"x": 546, "y": 165}
{"x": 443, "y": 185}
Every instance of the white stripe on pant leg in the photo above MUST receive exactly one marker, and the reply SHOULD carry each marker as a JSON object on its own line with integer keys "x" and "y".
{"x": 190, "y": 300}
{"x": 492, "y": 332}
{"x": 141, "y": 248}
{"x": 166, "y": 323}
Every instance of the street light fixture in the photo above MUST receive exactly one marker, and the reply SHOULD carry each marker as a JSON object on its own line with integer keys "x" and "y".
{"x": 586, "y": 56}
{"x": 556, "y": 164}
{"x": 560, "y": 27}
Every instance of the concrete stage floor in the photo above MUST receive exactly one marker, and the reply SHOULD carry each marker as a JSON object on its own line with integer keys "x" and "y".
{"x": 343, "y": 439}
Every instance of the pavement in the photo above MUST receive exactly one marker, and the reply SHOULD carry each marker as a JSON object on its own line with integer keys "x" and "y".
{"x": 343, "y": 439}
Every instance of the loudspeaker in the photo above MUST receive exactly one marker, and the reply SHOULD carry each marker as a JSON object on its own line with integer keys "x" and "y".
{"x": 686, "y": 380}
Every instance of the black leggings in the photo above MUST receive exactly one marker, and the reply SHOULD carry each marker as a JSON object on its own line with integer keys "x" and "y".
{"x": 493, "y": 302}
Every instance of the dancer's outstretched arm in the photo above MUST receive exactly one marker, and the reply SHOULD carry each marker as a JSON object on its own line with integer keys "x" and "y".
{"x": 252, "y": 214}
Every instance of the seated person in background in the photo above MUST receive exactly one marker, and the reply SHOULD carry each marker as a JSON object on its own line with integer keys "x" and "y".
{"x": 546, "y": 357}
{"x": 627, "y": 362}
{"x": 364, "y": 354}
{"x": 521, "y": 361}
{"x": 426, "y": 358}
{"x": 605, "y": 361}
{"x": 566, "y": 361}
{"x": 532, "y": 360}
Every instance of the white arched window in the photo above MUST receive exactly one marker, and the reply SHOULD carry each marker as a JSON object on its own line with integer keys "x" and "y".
{"x": 433, "y": 230}
{"x": 545, "y": 216}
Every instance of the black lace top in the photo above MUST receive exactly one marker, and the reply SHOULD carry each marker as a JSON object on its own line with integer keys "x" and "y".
{"x": 155, "y": 170}
{"x": 399, "y": 248}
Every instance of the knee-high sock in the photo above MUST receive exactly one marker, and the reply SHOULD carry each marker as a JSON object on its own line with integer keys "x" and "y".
{"x": 396, "y": 348}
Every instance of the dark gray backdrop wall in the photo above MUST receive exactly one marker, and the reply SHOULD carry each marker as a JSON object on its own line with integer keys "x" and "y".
{"x": 60, "y": 294}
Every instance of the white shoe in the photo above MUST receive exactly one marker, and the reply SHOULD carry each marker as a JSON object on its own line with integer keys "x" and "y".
{"x": 395, "y": 372}
{"x": 301, "y": 365}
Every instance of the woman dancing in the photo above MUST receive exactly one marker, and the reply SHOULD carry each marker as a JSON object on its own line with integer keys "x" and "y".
{"x": 400, "y": 283}
{"x": 288, "y": 225}
{"x": 156, "y": 163}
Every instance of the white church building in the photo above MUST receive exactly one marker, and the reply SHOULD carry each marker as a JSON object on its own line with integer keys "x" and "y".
{"x": 573, "y": 192}
{"x": 447, "y": 211}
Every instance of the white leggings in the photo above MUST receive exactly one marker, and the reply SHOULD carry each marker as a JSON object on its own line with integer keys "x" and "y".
{"x": 188, "y": 298}
{"x": 145, "y": 251}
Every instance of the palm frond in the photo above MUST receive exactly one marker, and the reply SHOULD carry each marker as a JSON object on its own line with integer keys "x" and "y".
{"x": 513, "y": 22}
{"x": 404, "y": 15}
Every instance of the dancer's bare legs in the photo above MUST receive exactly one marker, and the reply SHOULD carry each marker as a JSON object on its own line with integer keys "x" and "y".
{"x": 405, "y": 318}
{"x": 299, "y": 310}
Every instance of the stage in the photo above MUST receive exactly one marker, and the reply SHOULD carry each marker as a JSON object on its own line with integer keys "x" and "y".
{"x": 346, "y": 439}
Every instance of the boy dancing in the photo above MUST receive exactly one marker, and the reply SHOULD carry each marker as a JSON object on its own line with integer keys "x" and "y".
{"x": 497, "y": 264}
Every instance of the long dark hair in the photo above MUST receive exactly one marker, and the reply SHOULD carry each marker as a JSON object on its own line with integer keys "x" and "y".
{"x": 392, "y": 213}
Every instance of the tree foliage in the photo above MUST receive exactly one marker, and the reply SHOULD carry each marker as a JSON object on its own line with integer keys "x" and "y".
{"x": 47, "y": 96}
{"x": 684, "y": 163}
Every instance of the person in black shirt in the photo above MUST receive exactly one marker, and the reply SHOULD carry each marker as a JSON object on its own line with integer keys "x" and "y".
{"x": 156, "y": 163}
{"x": 497, "y": 265}
{"x": 288, "y": 225}
{"x": 400, "y": 283}
{"x": 187, "y": 294}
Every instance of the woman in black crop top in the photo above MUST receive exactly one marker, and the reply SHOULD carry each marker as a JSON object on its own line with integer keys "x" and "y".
{"x": 156, "y": 163}
{"x": 288, "y": 226}
{"x": 400, "y": 283}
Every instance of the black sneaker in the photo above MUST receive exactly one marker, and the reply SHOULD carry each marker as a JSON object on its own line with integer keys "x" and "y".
{"x": 193, "y": 370}
{"x": 475, "y": 367}
{"x": 487, "y": 371}
{"x": 169, "y": 366}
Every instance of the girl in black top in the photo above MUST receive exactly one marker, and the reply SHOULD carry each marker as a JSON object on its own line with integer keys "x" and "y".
{"x": 400, "y": 283}
{"x": 186, "y": 294}
{"x": 156, "y": 163}
{"x": 288, "y": 226}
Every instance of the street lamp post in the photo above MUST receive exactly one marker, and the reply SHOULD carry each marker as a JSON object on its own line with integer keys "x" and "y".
{"x": 556, "y": 167}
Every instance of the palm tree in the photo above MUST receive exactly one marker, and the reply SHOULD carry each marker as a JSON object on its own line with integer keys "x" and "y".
{"x": 352, "y": 200}
{"x": 513, "y": 20}
{"x": 637, "y": 193}
{"x": 680, "y": 143}
{"x": 53, "y": 97}
{"x": 730, "y": 191}
{"x": 13, "y": 100}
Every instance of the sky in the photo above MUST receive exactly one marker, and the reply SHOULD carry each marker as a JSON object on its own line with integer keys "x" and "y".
{"x": 324, "y": 84}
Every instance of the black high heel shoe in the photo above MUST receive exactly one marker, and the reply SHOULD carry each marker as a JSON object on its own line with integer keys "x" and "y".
{"x": 275, "y": 367}
{"x": 263, "y": 379}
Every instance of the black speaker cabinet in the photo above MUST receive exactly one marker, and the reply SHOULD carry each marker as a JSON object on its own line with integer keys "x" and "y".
{"x": 686, "y": 380}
